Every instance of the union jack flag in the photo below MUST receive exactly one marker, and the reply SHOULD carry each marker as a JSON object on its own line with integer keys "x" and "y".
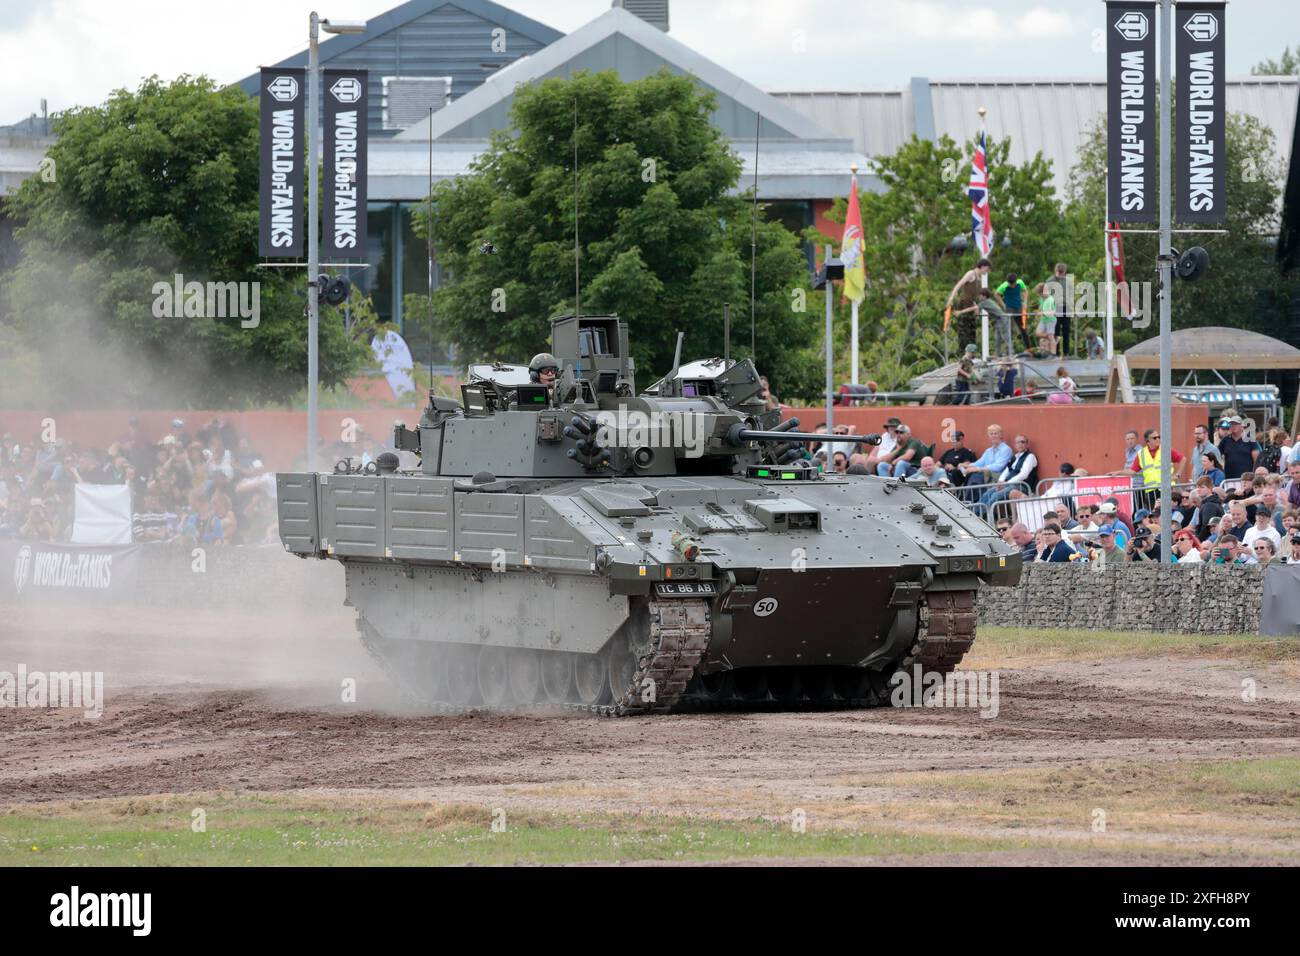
{"x": 981, "y": 223}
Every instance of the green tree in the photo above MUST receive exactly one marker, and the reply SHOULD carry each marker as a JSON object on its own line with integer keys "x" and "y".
{"x": 152, "y": 183}
{"x": 1288, "y": 64}
{"x": 909, "y": 228}
{"x": 663, "y": 241}
{"x": 1243, "y": 287}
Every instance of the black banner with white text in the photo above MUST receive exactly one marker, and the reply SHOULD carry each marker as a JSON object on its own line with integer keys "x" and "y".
{"x": 1131, "y": 111}
{"x": 280, "y": 223}
{"x": 345, "y": 166}
{"x": 47, "y": 573}
{"x": 1199, "y": 112}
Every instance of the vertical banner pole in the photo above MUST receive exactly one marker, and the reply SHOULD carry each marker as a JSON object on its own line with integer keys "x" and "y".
{"x": 855, "y": 339}
{"x": 1110, "y": 290}
{"x": 1166, "y": 280}
{"x": 313, "y": 238}
{"x": 984, "y": 279}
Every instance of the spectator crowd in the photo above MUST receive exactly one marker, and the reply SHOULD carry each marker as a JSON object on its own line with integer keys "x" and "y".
{"x": 208, "y": 487}
{"x": 1236, "y": 500}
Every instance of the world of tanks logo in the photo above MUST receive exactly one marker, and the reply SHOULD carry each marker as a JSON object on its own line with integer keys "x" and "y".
{"x": 284, "y": 89}
{"x": 1133, "y": 26}
{"x": 1202, "y": 27}
{"x": 22, "y": 568}
{"x": 347, "y": 89}
{"x": 624, "y": 428}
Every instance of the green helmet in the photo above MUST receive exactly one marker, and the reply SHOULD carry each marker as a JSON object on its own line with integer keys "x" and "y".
{"x": 540, "y": 361}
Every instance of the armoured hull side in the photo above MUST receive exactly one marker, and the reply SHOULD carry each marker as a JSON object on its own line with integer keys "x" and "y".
{"x": 628, "y": 595}
{"x": 449, "y": 605}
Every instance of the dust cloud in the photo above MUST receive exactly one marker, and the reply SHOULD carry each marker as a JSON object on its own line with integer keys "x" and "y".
{"x": 286, "y": 635}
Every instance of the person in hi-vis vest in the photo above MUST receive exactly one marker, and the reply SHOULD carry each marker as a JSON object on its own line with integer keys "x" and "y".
{"x": 1147, "y": 463}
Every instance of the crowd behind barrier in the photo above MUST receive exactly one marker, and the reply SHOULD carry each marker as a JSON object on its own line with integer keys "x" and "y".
{"x": 207, "y": 486}
{"x": 210, "y": 487}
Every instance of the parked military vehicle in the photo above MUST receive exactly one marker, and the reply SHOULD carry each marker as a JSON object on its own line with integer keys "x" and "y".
{"x": 575, "y": 543}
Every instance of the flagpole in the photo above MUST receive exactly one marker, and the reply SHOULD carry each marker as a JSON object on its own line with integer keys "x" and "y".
{"x": 1110, "y": 279}
{"x": 854, "y": 322}
{"x": 984, "y": 276}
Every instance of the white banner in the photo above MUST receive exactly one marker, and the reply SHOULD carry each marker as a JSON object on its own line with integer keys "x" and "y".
{"x": 392, "y": 352}
{"x": 102, "y": 514}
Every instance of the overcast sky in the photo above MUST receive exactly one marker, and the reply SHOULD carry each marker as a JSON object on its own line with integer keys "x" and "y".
{"x": 74, "y": 52}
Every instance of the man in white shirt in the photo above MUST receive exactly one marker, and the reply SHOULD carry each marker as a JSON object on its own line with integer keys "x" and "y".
{"x": 1085, "y": 531}
{"x": 888, "y": 442}
{"x": 1020, "y": 473}
{"x": 1263, "y": 528}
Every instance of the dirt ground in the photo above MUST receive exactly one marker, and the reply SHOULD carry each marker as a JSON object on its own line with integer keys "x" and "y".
{"x": 200, "y": 701}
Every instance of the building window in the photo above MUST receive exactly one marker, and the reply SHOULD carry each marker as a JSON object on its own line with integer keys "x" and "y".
{"x": 796, "y": 215}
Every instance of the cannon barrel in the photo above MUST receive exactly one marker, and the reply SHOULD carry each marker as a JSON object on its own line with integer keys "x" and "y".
{"x": 737, "y": 435}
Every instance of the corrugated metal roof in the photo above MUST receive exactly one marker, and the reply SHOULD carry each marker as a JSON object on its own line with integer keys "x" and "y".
{"x": 428, "y": 38}
{"x": 878, "y": 121}
{"x": 1051, "y": 115}
{"x": 619, "y": 41}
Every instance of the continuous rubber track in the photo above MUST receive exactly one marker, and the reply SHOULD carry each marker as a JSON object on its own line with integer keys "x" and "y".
{"x": 661, "y": 648}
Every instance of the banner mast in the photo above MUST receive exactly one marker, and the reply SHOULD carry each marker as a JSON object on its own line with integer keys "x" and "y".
{"x": 1110, "y": 281}
{"x": 984, "y": 277}
{"x": 1166, "y": 282}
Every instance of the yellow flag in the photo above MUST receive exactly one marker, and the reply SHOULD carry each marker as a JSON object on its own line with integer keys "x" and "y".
{"x": 855, "y": 272}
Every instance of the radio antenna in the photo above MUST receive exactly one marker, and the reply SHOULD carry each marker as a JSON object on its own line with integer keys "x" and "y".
{"x": 577, "y": 269}
{"x": 726, "y": 335}
{"x": 753, "y": 238}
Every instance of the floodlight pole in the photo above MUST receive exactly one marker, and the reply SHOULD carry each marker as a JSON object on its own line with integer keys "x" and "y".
{"x": 313, "y": 226}
{"x": 984, "y": 277}
{"x": 313, "y": 239}
{"x": 1166, "y": 285}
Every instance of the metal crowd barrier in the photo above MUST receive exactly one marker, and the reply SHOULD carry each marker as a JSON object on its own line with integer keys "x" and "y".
{"x": 1032, "y": 511}
{"x": 971, "y": 494}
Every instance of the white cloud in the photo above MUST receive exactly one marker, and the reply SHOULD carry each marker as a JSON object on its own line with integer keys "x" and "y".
{"x": 1044, "y": 23}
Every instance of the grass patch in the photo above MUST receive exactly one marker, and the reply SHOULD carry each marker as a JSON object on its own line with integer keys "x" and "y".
{"x": 281, "y": 831}
{"x": 1027, "y": 646}
{"x": 1257, "y": 798}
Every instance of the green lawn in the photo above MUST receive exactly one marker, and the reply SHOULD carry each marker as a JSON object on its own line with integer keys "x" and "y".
{"x": 1024, "y": 644}
{"x": 280, "y": 830}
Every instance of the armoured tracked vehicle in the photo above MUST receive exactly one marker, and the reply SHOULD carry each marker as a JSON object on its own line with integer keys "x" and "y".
{"x": 581, "y": 545}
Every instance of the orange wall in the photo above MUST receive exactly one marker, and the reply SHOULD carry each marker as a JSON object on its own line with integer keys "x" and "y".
{"x": 820, "y": 208}
{"x": 1088, "y": 436}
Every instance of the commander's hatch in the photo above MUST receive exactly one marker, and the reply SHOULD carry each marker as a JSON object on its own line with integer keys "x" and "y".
{"x": 500, "y": 373}
{"x": 735, "y": 384}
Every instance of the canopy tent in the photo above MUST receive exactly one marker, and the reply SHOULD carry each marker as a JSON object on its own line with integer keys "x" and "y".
{"x": 1219, "y": 349}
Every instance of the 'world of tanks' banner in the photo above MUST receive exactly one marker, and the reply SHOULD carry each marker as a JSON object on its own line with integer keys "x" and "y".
{"x": 280, "y": 223}
{"x": 1198, "y": 114}
{"x": 1131, "y": 111}
{"x": 41, "y": 572}
{"x": 345, "y": 165}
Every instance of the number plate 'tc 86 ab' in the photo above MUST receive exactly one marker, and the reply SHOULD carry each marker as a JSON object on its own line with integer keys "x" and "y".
{"x": 686, "y": 589}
